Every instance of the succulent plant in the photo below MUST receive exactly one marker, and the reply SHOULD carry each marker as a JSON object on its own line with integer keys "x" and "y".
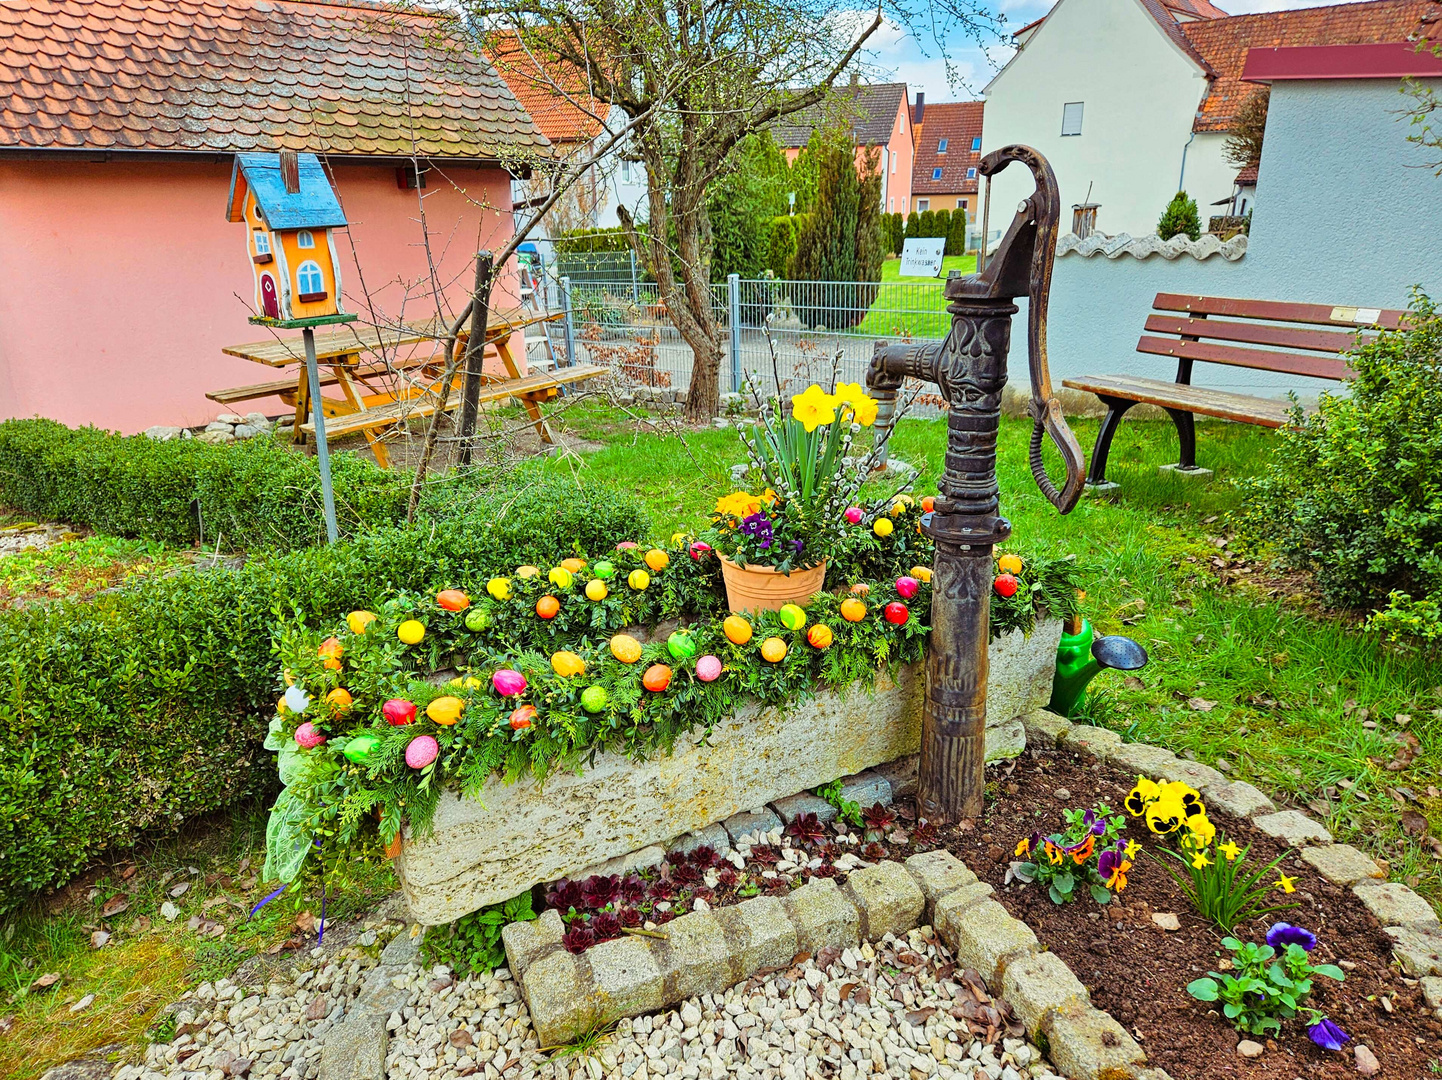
{"x": 578, "y": 938}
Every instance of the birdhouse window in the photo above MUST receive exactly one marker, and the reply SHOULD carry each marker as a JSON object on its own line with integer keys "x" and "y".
{"x": 310, "y": 282}
{"x": 262, "y": 246}
{"x": 304, "y": 239}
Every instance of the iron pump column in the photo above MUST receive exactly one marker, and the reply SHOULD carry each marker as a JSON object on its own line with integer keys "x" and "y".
{"x": 969, "y": 368}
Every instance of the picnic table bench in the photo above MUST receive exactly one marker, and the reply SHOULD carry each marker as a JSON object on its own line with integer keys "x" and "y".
{"x": 1204, "y": 329}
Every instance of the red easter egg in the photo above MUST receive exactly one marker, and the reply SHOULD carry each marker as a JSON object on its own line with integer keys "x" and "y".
{"x": 1005, "y": 585}
{"x": 896, "y": 612}
{"x": 399, "y": 712}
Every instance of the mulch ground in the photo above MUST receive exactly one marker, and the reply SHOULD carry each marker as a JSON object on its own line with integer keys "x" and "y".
{"x": 1138, "y": 972}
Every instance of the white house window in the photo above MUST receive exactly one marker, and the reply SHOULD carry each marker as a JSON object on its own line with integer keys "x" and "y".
{"x": 1071, "y": 118}
{"x": 961, "y": 204}
{"x": 304, "y": 239}
{"x": 310, "y": 282}
{"x": 923, "y": 204}
{"x": 890, "y": 206}
{"x": 893, "y": 162}
{"x": 976, "y": 143}
{"x": 941, "y": 147}
{"x": 628, "y": 172}
{"x": 902, "y": 118}
{"x": 262, "y": 242}
{"x": 971, "y": 174}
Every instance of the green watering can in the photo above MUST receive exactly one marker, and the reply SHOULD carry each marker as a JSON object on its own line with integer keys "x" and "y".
{"x": 1082, "y": 655}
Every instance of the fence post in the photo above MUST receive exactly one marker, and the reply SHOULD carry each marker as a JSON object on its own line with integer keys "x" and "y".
{"x": 567, "y": 324}
{"x": 733, "y": 308}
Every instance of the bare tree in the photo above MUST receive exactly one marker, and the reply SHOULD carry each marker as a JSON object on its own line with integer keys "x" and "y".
{"x": 1243, "y": 147}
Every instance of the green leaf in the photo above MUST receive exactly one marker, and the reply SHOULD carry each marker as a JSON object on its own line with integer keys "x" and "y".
{"x": 1101, "y": 894}
{"x": 1203, "y": 989}
{"x": 1331, "y": 971}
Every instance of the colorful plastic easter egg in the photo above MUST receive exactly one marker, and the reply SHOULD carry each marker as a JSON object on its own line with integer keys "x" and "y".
{"x": 573, "y": 564}
{"x": 922, "y": 573}
{"x": 411, "y": 631}
{"x": 522, "y": 717}
{"x": 625, "y": 648}
{"x": 1009, "y": 564}
{"x": 596, "y": 589}
{"x": 854, "y": 514}
{"x": 445, "y": 710}
{"x": 508, "y": 683}
{"x": 699, "y": 548}
{"x": 421, "y": 751}
{"x": 339, "y": 701}
{"x": 657, "y": 678}
{"x": 627, "y": 545}
{"x": 896, "y": 612}
{"x": 1005, "y": 585}
{"x": 296, "y": 699}
{"x": 681, "y": 645}
{"x": 861, "y": 588}
{"x": 928, "y": 504}
{"x": 330, "y": 647}
{"x": 499, "y": 588}
{"x": 525, "y": 573}
{"x": 453, "y": 600}
{"x": 360, "y": 748}
{"x": 566, "y": 664}
{"x": 399, "y": 712}
{"x": 819, "y": 636}
{"x": 657, "y": 560}
{"x": 773, "y": 649}
{"x": 883, "y": 527}
{"x": 897, "y": 509}
{"x": 308, "y": 736}
{"x": 593, "y": 699}
{"x": 906, "y": 587}
{"x": 708, "y": 668}
{"x": 638, "y": 579}
{"x": 852, "y": 609}
{"x": 792, "y": 616}
{"x": 736, "y": 629}
{"x": 560, "y": 577}
{"x": 359, "y": 620}
{"x": 548, "y": 607}
{"x": 604, "y": 570}
{"x": 477, "y": 620}
{"x": 472, "y": 683}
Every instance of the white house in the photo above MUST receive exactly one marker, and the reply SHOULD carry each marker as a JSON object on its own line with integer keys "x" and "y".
{"x": 1132, "y": 100}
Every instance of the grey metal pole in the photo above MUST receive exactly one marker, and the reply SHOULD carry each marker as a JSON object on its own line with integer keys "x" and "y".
{"x": 733, "y": 307}
{"x": 322, "y": 451}
{"x": 568, "y": 324}
{"x": 885, "y": 420}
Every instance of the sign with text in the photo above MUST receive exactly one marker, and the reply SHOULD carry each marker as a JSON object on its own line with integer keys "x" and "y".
{"x": 921, "y": 256}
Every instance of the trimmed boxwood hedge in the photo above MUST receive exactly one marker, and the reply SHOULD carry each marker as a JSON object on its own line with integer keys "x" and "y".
{"x": 144, "y": 707}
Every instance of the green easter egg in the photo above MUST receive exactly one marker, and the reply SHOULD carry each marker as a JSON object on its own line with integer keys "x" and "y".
{"x": 604, "y": 570}
{"x": 477, "y": 619}
{"x": 360, "y": 749}
{"x": 792, "y": 617}
{"x": 593, "y": 699}
{"x": 681, "y": 645}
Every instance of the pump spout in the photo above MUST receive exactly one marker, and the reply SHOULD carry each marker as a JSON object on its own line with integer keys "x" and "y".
{"x": 1082, "y": 656}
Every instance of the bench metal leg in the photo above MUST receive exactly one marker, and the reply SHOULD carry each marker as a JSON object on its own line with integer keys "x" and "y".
{"x": 1187, "y": 437}
{"x": 1116, "y": 409}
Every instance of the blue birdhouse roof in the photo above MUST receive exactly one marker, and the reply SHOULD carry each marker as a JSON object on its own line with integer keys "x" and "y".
{"x": 313, "y": 207}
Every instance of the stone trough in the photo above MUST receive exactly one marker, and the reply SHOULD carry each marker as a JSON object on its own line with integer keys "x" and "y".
{"x": 488, "y": 849}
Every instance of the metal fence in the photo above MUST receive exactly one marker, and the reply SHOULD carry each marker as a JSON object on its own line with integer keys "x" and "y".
{"x": 777, "y": 335}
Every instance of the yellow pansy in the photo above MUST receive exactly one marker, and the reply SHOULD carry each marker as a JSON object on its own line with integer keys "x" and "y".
{"x": 1146, "y": 791}
{"x": 1229, "y": 850}
{"x": 813, "y": 408}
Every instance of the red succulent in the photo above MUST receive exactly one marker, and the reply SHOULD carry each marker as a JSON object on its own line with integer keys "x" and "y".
{"x": 659, "y": 917}
{"x": 878, "y": 818}
{"x": 825, "y": 870}
{"x": 662, "y": 890}
{"x": 766, "y": 855}
{"x": 629, "y": 916}
{"x": 633, "y": 888}
{"x": 726, "y": 877}
{"x": 807, "y": 828}
{"x": 579, "y": 938}
{"x": 924, "y": 833}
{"x": 564, "y": 895}
{"x": 685, "y": 874}
{"x": 676, "y": 858}
{"x": 874, "y": 851}
{"x": 598, "y": 890}
{"x": 605, "y": 926}
{"x": 705, "y": 857}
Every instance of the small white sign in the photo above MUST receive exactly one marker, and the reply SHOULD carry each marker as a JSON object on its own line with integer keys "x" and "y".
{"x": 921, "y": 257}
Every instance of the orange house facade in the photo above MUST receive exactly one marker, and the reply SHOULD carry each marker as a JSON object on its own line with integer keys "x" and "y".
{"x": 879, "y": 118}
{"x": 121, "y": 279}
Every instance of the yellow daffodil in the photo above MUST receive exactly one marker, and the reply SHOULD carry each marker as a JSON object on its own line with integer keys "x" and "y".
{"x": 1200, "y": 860}
{"x": 813, "y": 408}
{"x": 1230, "y": 850}
{"x": 862, "y": 408}
{"x": 1132, "y": 848}
{"x": 1286, "y": 884}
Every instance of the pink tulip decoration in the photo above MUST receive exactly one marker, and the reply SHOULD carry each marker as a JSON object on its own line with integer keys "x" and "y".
{"x": 308, "y": 736}
{"x": 508, "y": 683}
{"x": 906, "y": 587}
{"x": 422, "y": 750}
{"x": 854, "y": 515}
{"x": 708, "y": 668}
{"x": 700, "y": 548}
{"x": 399, "y": 712}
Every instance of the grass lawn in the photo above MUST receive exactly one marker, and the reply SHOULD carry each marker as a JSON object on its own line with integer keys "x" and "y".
{"x": 912, "y": 306}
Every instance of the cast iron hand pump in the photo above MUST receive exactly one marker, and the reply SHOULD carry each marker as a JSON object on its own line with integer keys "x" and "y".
{"x": 969, "y": 366}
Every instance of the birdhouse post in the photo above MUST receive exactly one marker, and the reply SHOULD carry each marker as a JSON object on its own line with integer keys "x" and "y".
{"x": 290, "y": 210}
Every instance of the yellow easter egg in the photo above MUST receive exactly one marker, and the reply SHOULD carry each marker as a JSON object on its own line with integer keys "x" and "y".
{"x": 411, "y": 631}
{"x": 657, "y": 560}
{"x": 625, "y": 648}
{"x": 359, "y": 620}
{"x": 773, "y": 649}
{"x": 596, "y": 589}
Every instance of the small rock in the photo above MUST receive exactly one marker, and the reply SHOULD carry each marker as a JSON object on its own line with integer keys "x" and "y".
{"x": 690, "y": 1015}
{"x": 720, "y": 422}
{"x": 220, "y": 425}
{"x": 250, "y": 431}
{"x": 1367, "y": 1063}
{"x": 1061, "y": 794}
{"x": 318, "y": 1008}
{"x": 83, "y": 1004}
{"x": 1223, "y": 765}
{"x": 1166, "y": 920}
{"x": 1249, "y": 1049}
{"x": 257, "y": 419}
{"x": 163, "y": 432}
{"x": 461, "y": 1038}
{"x": 215, "y": 437}
{"x": 229, "y": 418}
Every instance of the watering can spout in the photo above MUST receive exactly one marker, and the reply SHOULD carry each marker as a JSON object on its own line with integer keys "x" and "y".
{"x": 1081, "y": 656}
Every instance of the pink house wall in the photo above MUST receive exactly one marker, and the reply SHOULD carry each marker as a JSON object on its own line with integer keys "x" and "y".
{"x": 121, "y": 281}
{"x": 896, "y": 185}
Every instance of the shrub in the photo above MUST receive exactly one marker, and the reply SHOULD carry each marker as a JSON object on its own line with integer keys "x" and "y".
{"x": 927, "y": 224}
{"x": 741, "y": 203}
{"x": 781, "y": 245}
{"x": 1180, "y": 216}
{"x": 956, "y": 233}
{"x": 147, "y": 706}
{"x": 913, "y": 225}
{"x": 1353, "y": 493}
{"x": 942, "y": 222}
{"x": 254, "y": 494}
{"x": 896, "y": 232}
{"x": 590, "y": 241}
{"x": 841, "y": 240}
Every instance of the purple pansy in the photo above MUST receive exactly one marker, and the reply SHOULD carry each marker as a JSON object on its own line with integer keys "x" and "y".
{"x": 758, "y": 527}
{"x": 1095, "y": 825}
{"x": 1108, "y": 862}
{"x": 1283, "y": 934}
{"x": 1327, "y": 1035}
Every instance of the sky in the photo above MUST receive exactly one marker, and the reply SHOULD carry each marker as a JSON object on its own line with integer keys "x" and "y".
{"x": 900, "y": 56}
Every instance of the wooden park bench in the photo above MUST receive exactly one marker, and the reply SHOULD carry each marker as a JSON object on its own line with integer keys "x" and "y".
{"x": 1210, "y": 330}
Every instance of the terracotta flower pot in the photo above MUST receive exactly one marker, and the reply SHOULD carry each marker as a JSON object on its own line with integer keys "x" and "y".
{"x": 762, "y": 588}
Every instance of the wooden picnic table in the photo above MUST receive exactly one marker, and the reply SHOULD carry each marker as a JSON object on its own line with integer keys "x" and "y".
{"x": 377, "y": 410}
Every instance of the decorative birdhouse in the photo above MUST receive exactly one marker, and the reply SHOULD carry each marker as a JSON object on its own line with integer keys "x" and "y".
{"x": 289, "y": 209}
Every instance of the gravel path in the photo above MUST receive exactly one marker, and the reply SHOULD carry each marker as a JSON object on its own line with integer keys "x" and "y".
{"x": 898, "y": 1009}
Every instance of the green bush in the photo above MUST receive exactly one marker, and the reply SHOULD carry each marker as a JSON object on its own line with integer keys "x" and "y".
{"x": 781, "y": 244}
{"x": 841, "y": 240}
{"x": 590, "y": 241}
{"x": 913, "y": 226}
{"x": 956, "y": 233}
{"x": 740, "y": 205}
{"x": 927, "y": 224}
{"x": 1180, "y": 216}
{"x": 942, "y": 222}
{"x": 1354, "y": 492}
{"x": 148, "y": 706}
{"x": 896, "y": 226}
{"x": 250, "y": 495}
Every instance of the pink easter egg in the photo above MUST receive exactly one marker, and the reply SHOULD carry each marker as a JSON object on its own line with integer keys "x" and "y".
{"x": 708, "y": 668}
{"x": 854, "y": 515}
{"x": 700, "y": 548}
{"x": 421, "y": 751}
{"x": 508, "y": 683}
{"x": 626, "y": 545}
{"x": 308, "y": 735}
{"x": 907, "y": 587}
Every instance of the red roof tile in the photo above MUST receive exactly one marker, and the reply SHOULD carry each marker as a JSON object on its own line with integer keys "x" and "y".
{"x": 958, "y": 122}
{"x": 1223, "y": 43}
{"x": 221, "y": 76}
{"x": 553, "y": 93}
{"x": 868, "y": 109}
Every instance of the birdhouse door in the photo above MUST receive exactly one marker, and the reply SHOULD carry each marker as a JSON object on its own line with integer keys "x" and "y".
{"x": 269, "y": 300}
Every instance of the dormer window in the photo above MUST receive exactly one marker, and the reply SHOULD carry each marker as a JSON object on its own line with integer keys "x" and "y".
{"x": 971, "y": 174}
{"x": 304, "y": 239}
{"x": 941, "y": 147}
{"x": 976, "y": 143}
{"x": 309, "y": 281}
{"x": 936, "y": 173}
{"x": 262, "y": 246}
